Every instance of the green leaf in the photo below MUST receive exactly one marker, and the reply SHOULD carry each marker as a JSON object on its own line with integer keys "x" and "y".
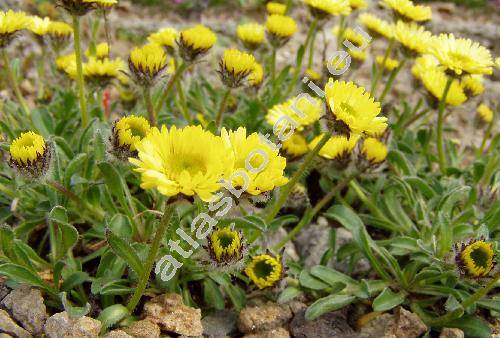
{"x": 345, "y": 216}
{"x": 310, "y": 282}
{"x": 125, "y": 251}
{"x": 327, "y": 304}
{"x": 237, "y": 295}
{"x": 472, "y": 326}
{"x": 121, "y": 226}
{"x": 74, "y": 312}
{"x": 330, "y": 276}
{"x": 74, "y": 279}
{"x": 288, "y": 294}
{"x": 115, "y": 183}
{"x": 21, "y": 275}
{"x": 387, "y": 300}
{"x": 212, "y": 294}
{"x": 73, "y": 166}
{"x": 112, "y": 315}
{"x": 399, "y": 159}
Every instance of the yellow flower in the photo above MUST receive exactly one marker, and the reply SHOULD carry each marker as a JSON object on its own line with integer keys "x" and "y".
{"x": 377, "y": 25}
{"x": 350, "y": 35}
{"x": 412, "y": 36}
{"x": 251, "y": 34}
{"x": 434, "y": 80}
{"x": 253, "y": 156}
{"x": 39, "y": 26}
{"x": 296, "y": 145}
{"x": 27, "y": 148}
{"x": 147, "y": 63}
{"x": 358, "y": 4}
{"x": 354, "y": 108}
{"x": 59, "y": 29}
{"x": 265, "y": 270}
{"x": 235, "y": 67}
{"x": 298, "y": 111}
{"x": 323, "y": 8}
{"x": 337, "y": 147}
{"x": 66, "y": 61}
{"x": 226, "y": 249}
{"x": 357, "y": 54}
{"x": 102, "y": 71}
{"x": 390, "y": 64}
{"x": 472, "y": 84}
{"x": 408, "y": 10}
{"x": 101, "y": 51}
{"x": 374, "y": 150}
{"x": 276, "y": 8}
{"x": 173, "y": 161}
{"x": 280, "y": 28}
{"x": 461, "y": 55}
{"x": 165, "y": 37}
{"x": 256, "y": 76}
{"x": 103, "y": 3}
{"x": 312, "y": 74}
{"x": 195, "y": 42}
{"x": 485, "y": 113}
{"x": 424, "y": 62}
{"x": 10, "y": 23}
{"x": 127, "y": 133}
{"x": 476, "y": 258}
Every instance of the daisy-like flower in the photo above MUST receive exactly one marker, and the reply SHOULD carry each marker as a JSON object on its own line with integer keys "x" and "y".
{"x": 298, "y": 198}
{"x": 101, "y": 72}
{"x": 357, "y": 55}
{"x": 350, "y": 35}
{"x": 263, "y": 165}
{"x": 377, "y": 26}
{"x": 266, "y": 270}
{"x": 66, "y": 62}
{"x": 173, "y": 162}
{"x": 424, "y": 62}
{"x": 147, "y": 63}
{"x": 485, "y": 113}
{"x": 251, "y": 35}
{"x": 256, "y": 76}
{"x": 276, "y": 8}
{"x": 39, "y": 26}
{"x": 101, "y": 51}
{"x": 322, "y": 9}
{"x": 126, "y": 134}
{"x": 374, "y": 151}
{"x": 313, "y": 75}
{"x": 59, "y": 34}
{"x": 472, "y": 84}
{"x": 226, "y": 249}
{"x": 475, "y": 258}
{"x": 10, "y": 23}
{"x": 434, "y": 80}
{"x": 280, "y": 29}
{"x": 409, "y": 11}
{"x": 413, "y": 37}
{"x": 82, "y": 7}
{"x": 296, "y": 145}
{"x": 353, "y": 110}
{"x": 195, "y": 42}
{"x": 337, "y": 148}
{"x": 390, "y": 64}
{"x": 300, "y": 110}
{"x": 235, "y": 66}
{"x": 461, "y": 56}
{"x": 30, "y": 155}
{"x": 165, "y": 37}
{"x": 358, "y": 4}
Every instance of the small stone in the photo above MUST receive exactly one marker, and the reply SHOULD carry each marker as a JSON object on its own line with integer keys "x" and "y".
{"x": 143, "y": 329}
{"x": 452, "y": 333}
{"x": 26, "y": 306}
{"x": 170, "y": 313}
{"x": 219, "y": 324}
{"x": 274, "y": 333}
{"x": 117, "y": 334}
{"x": 329, "y": 325}
{"x": 8, "y": 326}
{"x": 4, "y": 289}
{"x": 5, "y": 335}
{"x": 402, "y": 324}
{"x": 61, "y": 326}
{"x": 262, "y": 318}
{"x": 296, "y": 306}
{"x": 376, "y": 327}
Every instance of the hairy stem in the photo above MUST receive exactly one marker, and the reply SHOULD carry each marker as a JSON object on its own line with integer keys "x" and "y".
{"x": 390, "y": 81}
{"x": 14, "y": 84}
{"x": 79, "y": 70}
{"x": 149, "y": 105}
{"x": 380, "y": 71}
{"x": 440, "y": 126}
{"x": 222, "y": 108}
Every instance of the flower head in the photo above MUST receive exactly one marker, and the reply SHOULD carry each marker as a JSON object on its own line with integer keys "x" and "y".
{"x": 351, "y": 35}
{"x": 10, "y": 23}
{"x": 472, "y": 84}
{"x": 297, "y": 112}
{"x": 59, "y": 34}
{"x": 353, "y": 109}
{"x": 147, "y": 63}
{"x": 376, "y": 25}
{"x": 389, "y": 64}
{"x": 126, "y": 134}
{"x": 424, "y": 62}
{"x": 30, "y": 155}
{"x": 262, "y": 164}
{"x": 235, "y": 66}
{"x": 460, "y": 55}
{"x": 296, "y": 145}
{"x": 256, "y": 76}
{"x": 312, "y": 74}
{"x": 409, "y": 11}
{"x": 195, "y": 42}
{"x": 39, "y": 26}
{"x": 434, "y": 80}
{"x": 358, "y": 4}
{"x": 173, "y": 162}
{"x": 251, "y": 35}
{"x": 357, "y": 55}
{"x": 475, "y": 258}
{"x": 265, "y": 270}
{"x": 101, "y": 72}
{"x": 337, "y": 147}
{"x": 226, "y": 249}
{"x": 374, "y": 151}
{"x": 485, "y": 113}
{"x": 276, "y": 8}
{"x": 79, "y": 7}
{"x": 101, "y": 51}
{"x": 321, "y": 9}
{"x": 280, "y": 29}
{"x": 165, "y": 37}
{"x": 412, "y": 36}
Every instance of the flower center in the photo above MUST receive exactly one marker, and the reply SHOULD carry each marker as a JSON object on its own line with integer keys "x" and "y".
{"x": 480, "y": 257}
{"x": 460, "y": 58}
{"x": 193, "y": 165}
{"x": 263, "y": 269}
{"x": 226, "y": 240}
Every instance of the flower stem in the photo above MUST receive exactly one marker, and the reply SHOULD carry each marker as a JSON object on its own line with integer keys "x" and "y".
{"x": 272, "y": 66}
{"x": 148, "y": 266}
{"x": 390, "y": 81}
{"x": 340, "y": 33}
{"x": 311, "y": 45}
{"x": 222, "y": 107}
{"x": 149, "y": 105}
{"x": 440, "y": 125}
{"x": 14, "y": 84}
{"x": 285, "y": 191}
{"x": 380, "y": 71}
{"x": 309, "y": 215}
{"x": 184, "y": 106}
{"x": 79, "y": 70}
{"x": 173, "y": 80}
{"x": 41, "y": 74}
{"x": 486, "y": 136}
